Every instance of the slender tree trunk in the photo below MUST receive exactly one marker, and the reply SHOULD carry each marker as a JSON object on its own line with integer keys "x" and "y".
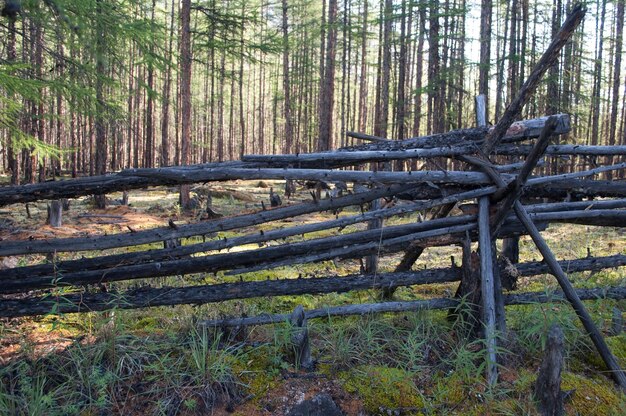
{"x": 595, "y": 100}
{"x": 242, "y": 124}
{"x": 100, "y": 116}
{"x": 13, "y": 150}
{"x": 327, "y": 96}
{"x": 363, "y": 77}
{"x": 553, "y": 102}
{"x": 619, "y": 31}
{"x": 402, "y": 65}
{"x": 286, "y": 82}
{"x": 167, "y": 87}
{"x": 486, "y": 9}
{"x": 419, "y": 71}
{"x": 185, "y": 92}
{"x": 382, "y": 106}
{"x": 148, "y": 160}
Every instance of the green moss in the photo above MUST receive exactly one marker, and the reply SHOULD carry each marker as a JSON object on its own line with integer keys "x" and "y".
{"x": 597, "y": 397}
{"x": 257, "y": 371}
{"x": 617, "y": 345}
{"x": 450, "y": 390}
{"x": 147, "y": 323}
{"x": 382, "y": 387}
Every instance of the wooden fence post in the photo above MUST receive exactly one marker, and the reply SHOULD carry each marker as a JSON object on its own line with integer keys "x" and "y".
{"x": 548, "y": 385}
{"x": 55, "y": 213}
{"x": 300, "y": 339}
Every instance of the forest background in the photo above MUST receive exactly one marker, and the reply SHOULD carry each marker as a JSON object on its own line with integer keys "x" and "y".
{"x": 93, "y": 86}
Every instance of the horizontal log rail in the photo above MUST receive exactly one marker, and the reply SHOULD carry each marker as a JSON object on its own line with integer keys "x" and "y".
{"x": 527, "y": 298}
{"x": 167, "y": 296}
{"x": 9, "y": 248}
{"x": 351, "y": 245}
{"x": 124, "y": 259}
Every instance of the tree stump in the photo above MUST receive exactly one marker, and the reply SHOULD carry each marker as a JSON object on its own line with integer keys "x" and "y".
{"x": 300, "y": 339}
{"x": 548, "y": 392}
{"x": 469, "y": 312}
{"x": 55, "y": 213}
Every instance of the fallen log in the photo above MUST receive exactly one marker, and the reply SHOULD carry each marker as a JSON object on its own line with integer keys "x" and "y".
{"x": 167, "y": 296}
{"x": 142, "y": 178}
{"x": 561, "y": 150}
{"x": 96, "y": 185}
{"x": 416, "y": 305}
{"x": 520, "y": 130}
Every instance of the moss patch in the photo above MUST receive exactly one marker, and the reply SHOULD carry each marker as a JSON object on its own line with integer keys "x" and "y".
{"x": 383, "y": 387}
{"x": 593, "y": 396}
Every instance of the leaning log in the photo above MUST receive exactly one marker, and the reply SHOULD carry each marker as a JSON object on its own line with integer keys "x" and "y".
{"x": 126, "y": 259}
{"x": 9, "y": 248}
{"x": 548, "y": 58}
{"x": 167, "y": 296}
{"x": 331, "y": 247}
{"x": 353, "y": 245}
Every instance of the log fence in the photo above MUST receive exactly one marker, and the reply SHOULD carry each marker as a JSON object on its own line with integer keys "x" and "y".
{"x": 494, "y": 200}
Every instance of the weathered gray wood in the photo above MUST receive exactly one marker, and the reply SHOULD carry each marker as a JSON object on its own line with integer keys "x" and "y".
{"x": 55, "y": 213}
{"x": 118, "y": 260}
{"x": 349, "y": 245}
{"x": 379, "y": 246}
{"x": 480, "y": 110}
{"x": 563, "y": 177}
{"x": 565, "y": 284}
{"x": 95, "y": 185}
{"x": 487, "y": 290}
{"x": 524, "y": 94}
{"x": 300, "y": 339}
{"x": 617, "y": 322}
{"x": 547, "y": 391}
{"x": 561, "y": 150}
{"x": 469, "y": 291}
{"x": 368, "y": 137}
{"x": 386, "y": 307}
{"x": 519, "y": 130}
{"x": 125, "y": 259}
{"x": 325, "y": 175}
{"x": 514, "y": 190}
{"x": 572, "y": 297}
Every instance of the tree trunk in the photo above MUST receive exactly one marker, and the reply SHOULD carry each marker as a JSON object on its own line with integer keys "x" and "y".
{"x": 185, "y": 93}
{"x": 327, "y": 94}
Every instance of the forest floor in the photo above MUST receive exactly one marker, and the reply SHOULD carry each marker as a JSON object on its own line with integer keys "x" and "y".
{"x": 157, "y": 361}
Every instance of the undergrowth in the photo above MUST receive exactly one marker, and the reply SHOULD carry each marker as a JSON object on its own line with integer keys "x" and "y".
{"x": 159, "y": 362}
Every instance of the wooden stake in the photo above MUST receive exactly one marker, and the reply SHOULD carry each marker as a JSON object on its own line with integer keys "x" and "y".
{"x": 487, "y": 289}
